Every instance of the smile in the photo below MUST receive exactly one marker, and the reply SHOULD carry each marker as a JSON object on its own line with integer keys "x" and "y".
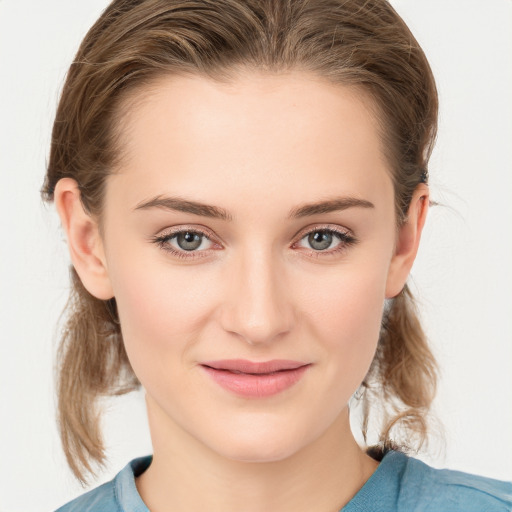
{"x": 255, "y": 380}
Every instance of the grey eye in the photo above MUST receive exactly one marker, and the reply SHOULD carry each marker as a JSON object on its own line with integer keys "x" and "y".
{"x": 320, "y": 240}
{"x": 189, "y": 241}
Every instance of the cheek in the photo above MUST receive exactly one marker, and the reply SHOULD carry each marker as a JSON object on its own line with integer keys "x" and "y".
{"x": 162, "y": 310}
{"x": 347, "y": 299}
{"x": 345, "y": 315}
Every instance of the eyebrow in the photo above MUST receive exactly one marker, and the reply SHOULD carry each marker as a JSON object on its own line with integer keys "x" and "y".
{"x": 184, "y": 205}
{"x": 331, "y": 205}
{"x": 214, "y": 212}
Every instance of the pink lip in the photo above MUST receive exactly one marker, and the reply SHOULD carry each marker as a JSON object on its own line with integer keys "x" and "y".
{"x": 255, "y": 380}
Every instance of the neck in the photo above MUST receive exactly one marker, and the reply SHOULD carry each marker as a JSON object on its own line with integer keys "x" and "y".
{"x": 187, "y": 476}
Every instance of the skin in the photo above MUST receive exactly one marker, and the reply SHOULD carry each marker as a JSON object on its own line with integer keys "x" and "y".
{"x": 258, "y": 148}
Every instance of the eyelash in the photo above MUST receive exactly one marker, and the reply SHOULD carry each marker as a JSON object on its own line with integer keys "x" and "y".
{"x": 163, "y": 240}
{"x": 345, "y": 241}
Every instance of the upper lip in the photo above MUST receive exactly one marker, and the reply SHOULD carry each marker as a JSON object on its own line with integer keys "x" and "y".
{"x": 245, "y": 366}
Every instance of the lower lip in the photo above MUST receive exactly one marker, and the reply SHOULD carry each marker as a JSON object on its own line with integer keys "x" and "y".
{"x": 256, "y": 386}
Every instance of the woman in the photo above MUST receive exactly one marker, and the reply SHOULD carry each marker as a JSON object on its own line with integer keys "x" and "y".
{"x": 243, "y": 186}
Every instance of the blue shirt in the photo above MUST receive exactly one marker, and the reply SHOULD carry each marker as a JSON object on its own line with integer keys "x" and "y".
{"x": 399, "y": 484}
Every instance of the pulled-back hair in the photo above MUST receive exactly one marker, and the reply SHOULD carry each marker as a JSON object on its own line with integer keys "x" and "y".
{"x": 359, "y": 43}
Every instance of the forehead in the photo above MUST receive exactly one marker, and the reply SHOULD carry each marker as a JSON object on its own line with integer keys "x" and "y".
{"x": 291, "y": 131}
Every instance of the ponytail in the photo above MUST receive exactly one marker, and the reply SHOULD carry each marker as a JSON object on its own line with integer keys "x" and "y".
{"x": 402, "y": 378}
{"x": 92, "y": 363}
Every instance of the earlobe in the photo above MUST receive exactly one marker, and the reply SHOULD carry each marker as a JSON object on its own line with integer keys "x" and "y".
{"x": 408, "y": 240}
{"x": 84, "y": 240}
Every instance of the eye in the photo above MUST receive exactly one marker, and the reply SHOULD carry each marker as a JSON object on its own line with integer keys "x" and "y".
{"x": 326, "y": 240}
{"x": 185, "y": 243}
{"x": 321, "y": 240}
{"x": 189, "y": 240}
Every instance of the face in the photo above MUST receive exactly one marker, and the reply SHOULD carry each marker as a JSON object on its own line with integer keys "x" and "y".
{"x": 250, "y": 223}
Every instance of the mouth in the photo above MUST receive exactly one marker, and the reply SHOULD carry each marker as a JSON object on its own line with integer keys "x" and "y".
{"x": 255, "y": 379}
{"x": 255, "y": 368}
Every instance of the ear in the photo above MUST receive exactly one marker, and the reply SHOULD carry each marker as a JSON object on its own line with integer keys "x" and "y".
{"x": 84, "y": 240}
{"x": 408, "y": 240}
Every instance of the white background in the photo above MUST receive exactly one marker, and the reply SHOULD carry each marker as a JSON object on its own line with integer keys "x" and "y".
{"x": 463, "y": 274}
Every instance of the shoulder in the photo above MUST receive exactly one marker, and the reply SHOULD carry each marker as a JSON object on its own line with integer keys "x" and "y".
{"x": 431, "y": 489}
{"x": 101, "y": 499}
{"x": 404, "y": 484}
{"x": 118, "y": 495}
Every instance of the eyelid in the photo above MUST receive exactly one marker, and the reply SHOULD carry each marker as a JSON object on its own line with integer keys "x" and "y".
{"x": 193, "y": 228}
{"x": 162, "y": 240}
{"x": 345, "y": 235}
{"x": 323, "y": 227}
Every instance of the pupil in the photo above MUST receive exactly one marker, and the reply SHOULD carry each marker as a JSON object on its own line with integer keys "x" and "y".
{"x": 188, "y": 241}
{"x": 320, "y": 240}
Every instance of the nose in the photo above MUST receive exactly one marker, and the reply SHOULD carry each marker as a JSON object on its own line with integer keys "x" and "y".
{"x": 257, "y": 306}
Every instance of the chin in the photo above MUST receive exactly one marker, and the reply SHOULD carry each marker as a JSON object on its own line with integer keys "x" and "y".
{"x": 258, "y": 452}
{"x": 260, "y": 442}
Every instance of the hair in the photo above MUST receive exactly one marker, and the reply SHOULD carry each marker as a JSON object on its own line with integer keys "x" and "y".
{"x": 358, "y": 43}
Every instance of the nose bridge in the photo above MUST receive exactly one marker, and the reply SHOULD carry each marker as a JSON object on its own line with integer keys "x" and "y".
{"x": 257, "y": 308}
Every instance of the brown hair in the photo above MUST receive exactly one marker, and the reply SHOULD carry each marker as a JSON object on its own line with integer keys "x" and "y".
{"x": 362, "y": 43}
